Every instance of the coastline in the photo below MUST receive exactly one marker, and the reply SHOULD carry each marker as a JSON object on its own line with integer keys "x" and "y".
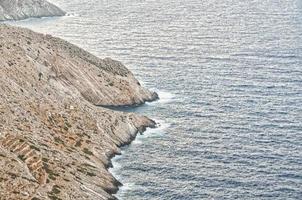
{"x": 58, "y": 143}
{"x": 121, "y": 162}
{"x": 140, "y": 130}
{"x": 229, "y": 85}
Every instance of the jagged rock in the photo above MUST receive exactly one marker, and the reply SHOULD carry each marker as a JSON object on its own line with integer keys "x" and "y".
{"x": 54, "y": 143}
{"x": 22, "y": 9}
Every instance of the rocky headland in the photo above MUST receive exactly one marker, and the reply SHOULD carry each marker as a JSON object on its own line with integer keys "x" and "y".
{"x": 56, "y": 141}
{"x": 22, "y": 9}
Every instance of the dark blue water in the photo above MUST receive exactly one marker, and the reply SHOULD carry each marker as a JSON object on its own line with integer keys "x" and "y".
{"x": 230, "y": 77}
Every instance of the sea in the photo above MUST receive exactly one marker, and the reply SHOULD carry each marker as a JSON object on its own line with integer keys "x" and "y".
{"x": 229, "y": 77}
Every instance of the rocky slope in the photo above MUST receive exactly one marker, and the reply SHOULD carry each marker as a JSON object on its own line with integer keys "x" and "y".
{"x": 22, "y": 9}
{"x": 54, "y": 142}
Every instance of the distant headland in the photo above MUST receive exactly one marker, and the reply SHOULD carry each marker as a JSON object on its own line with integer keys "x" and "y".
{"x": 18, "y": 10}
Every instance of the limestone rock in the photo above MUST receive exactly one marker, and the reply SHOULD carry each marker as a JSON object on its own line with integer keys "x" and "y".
{"x": 54, "y": 143}
{"x": 22, "y": 9}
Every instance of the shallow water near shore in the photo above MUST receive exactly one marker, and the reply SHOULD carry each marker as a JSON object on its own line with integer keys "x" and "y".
{"x": 230, "y": 77}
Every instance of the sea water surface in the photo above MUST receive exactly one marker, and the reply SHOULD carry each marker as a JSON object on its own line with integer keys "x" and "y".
{"x": 230, "y": 77}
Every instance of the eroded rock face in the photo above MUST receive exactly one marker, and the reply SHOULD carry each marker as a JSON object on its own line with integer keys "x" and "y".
{"x": 100, "y": 81}
{"x": 54, "y": 143}
{"x": 22, "y": 9}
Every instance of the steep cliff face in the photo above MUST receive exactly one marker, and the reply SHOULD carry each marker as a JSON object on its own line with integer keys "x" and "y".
{"x": 22, "y": 9}
{"x": 54, "y": 143}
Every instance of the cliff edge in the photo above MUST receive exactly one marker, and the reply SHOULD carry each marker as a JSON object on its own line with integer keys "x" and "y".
{"x": 22, "y": 9}
{"x": 54, "y": 142}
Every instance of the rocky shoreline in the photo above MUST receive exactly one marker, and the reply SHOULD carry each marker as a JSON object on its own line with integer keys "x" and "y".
{"x": 18, "y": 10}
{"x": 56, "y": 142}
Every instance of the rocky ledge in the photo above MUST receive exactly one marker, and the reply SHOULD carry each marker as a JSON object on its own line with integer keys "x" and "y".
{"x": 22, "y": 9}
{"x": 54, "y": 142}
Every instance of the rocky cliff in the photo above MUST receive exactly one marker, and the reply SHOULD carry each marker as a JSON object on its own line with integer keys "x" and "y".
{"x": 22, "y": 9}
{"x": 54, "y": 142}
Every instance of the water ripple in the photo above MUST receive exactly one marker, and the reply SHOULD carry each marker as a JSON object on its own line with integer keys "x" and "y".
{"x": 230, "y": 80}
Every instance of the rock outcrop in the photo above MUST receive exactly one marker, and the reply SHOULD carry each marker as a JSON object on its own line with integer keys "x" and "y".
{"x": 22, "y": 9}
{"x": 54, "y": 142}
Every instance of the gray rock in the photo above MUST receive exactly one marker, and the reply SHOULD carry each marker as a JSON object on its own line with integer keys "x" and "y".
{"x": 22, "y": 9}
{"x": 54, "y": 142}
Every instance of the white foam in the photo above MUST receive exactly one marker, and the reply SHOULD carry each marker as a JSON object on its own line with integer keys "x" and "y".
{"x": 116, "y": 167}
{"x": 124, "y": 189}
{"x": 164, "y": 97}
{"x": 160, "y": 131}
{"x": 137, "y": 141}
{"x": 150, "y": 133}
{"x": 116, "y": 164}
{"x": 115, "y": 172}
